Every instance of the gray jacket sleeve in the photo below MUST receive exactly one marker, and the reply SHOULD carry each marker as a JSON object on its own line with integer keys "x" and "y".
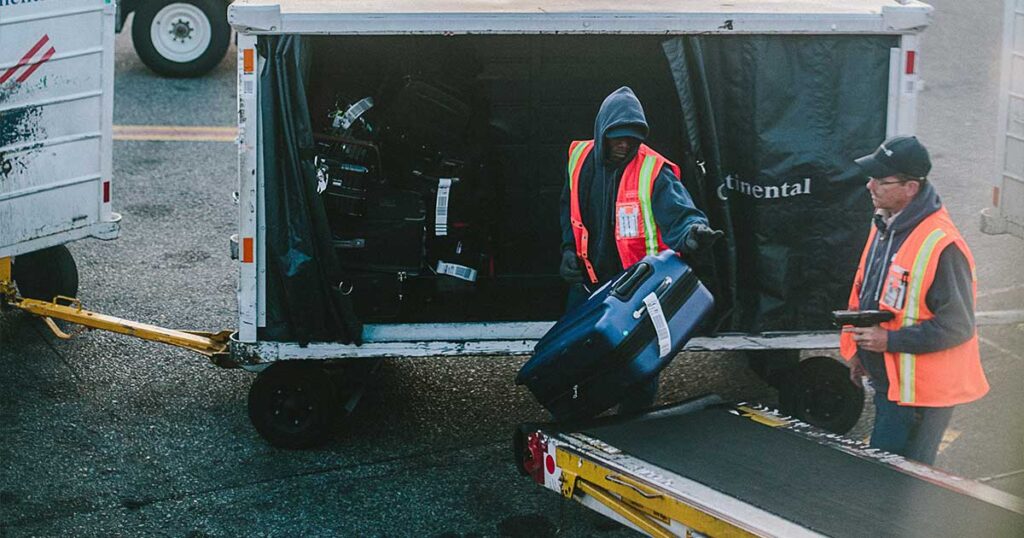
{"x": 951, "y": 299}
{"x": 674, "y": 212}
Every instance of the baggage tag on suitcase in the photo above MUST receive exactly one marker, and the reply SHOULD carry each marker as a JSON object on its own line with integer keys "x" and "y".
{"x": 657, "y": 315}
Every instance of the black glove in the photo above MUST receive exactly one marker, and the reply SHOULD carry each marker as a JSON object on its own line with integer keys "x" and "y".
{"x": 570, "y": 268}
{"x": 700, "y": 237}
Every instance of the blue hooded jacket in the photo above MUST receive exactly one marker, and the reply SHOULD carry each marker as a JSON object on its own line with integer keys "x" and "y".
{"x": 674, "y": 211}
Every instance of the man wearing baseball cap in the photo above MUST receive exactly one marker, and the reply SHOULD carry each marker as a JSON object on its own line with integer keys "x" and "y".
{"x": 916, "y": 265}
{"x": 622, "y": 201}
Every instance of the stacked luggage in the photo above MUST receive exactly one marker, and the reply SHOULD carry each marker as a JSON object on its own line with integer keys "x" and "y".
{"x": 397, "y": 174}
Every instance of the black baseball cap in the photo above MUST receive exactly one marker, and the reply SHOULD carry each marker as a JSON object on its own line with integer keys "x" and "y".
{"x": 631, "y": 130}
{"x": 897, "y": 155}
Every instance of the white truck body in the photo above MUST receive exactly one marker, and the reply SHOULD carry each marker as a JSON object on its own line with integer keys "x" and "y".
{"x": 56, "y": 117}
{"x": 253, "y": 18}
{"x": 1007, "y": 213}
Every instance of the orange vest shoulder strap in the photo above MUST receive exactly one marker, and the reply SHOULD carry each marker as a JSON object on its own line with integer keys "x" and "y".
{"x": 578, "y": 152}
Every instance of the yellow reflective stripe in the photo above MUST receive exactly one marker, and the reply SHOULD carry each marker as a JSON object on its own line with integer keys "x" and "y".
{"x": 650, "y": 228}
{"x": 574, "y": 157}
{"x": 908, "y": 361}
{"x": 908, "y": 364}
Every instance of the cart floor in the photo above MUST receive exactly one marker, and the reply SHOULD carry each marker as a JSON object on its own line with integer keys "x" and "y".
{"x": 819, "y": 487}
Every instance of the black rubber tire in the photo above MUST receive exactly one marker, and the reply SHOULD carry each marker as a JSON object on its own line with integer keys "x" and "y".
{"x": 46, "y": 273}
{"x": 819, "y": 392}
{"x": 220, "y": 37}
{"x": 773, "y": 365}
{"x": 293, "y": 405}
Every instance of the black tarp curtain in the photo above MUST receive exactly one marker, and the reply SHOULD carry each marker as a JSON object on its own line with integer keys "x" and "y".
{"x": 305, "y": 301}
{"x": 765, "y": 118}
{"x": 768, "y": 116}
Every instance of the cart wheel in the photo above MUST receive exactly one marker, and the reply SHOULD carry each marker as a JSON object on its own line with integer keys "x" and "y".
{"x": 292, "y": 405}
{"x": 820, "y": 393}
{"x": 46, "y": 273}
{"x": 181, "y": 38}
{"x": 773, "y": 365}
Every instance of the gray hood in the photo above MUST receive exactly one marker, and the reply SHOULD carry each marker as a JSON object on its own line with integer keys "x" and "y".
{"x": 619, "y": 109}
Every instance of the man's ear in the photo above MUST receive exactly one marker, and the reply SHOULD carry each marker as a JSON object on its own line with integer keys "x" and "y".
{"x": 915, "y": 187}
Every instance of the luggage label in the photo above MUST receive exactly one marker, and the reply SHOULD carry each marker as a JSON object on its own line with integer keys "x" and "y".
{"x": 660, "y": 324}
{"x": 444, "y": 186}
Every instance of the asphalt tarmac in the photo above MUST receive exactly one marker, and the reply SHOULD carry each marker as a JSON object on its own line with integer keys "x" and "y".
{"x": 106, "y": 435}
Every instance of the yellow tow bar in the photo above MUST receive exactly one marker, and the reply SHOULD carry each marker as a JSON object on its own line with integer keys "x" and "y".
{"x": 213, "y": 345}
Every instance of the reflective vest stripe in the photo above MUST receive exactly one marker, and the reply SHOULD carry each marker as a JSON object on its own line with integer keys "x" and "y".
{"x": 646, "y": 180}
{"x": 574, "y": 158}
{"x": 915, "y": 291}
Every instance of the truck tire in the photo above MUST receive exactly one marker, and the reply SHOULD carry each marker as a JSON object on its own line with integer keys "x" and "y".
{"x": 45, "y": 274}
{"x": 181, "y": 38}
{"x": 819, "y": 392}
{"x": 293, "y": 405}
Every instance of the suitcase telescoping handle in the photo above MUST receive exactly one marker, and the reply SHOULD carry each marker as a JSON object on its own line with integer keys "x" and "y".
{"x": 659, "y": 292}
{"x": 628, "y": 283}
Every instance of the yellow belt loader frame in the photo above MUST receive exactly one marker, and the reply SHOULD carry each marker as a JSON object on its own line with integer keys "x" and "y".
{"x": 213, "y": 345}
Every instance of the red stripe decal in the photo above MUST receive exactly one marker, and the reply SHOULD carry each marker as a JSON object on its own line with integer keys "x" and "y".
{"x": 36, "y": 65}
{"x": 24, "y": 60}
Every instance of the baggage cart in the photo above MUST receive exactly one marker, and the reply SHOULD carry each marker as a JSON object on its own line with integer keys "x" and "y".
{"x": 518, "y": 54}
{"x": 1007, "y": 212}
{"x": 56, "y": 116}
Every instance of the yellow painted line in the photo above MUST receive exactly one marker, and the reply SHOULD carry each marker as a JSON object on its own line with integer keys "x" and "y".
{"x": 948, "y": 438}
{"x": 176, "y": 133}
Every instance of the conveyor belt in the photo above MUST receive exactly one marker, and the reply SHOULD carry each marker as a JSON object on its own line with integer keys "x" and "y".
{"x": 819, "y": 487}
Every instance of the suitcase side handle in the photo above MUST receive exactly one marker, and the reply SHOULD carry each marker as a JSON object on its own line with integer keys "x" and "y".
{"x": 624, "y": 289}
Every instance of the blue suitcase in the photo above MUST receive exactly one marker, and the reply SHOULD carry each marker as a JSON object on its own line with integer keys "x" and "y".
{"x": 622, "y": 336}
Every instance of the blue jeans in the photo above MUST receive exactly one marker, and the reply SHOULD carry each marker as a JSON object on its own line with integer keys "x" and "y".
{"x": 642, "y": 395}
{"x": 911, "y": 432}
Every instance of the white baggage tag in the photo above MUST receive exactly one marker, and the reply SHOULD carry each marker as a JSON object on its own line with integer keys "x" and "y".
{"x": 660, "y": 324}
{"x": 458, "y": 271}
{"x": 352, "y": 114}
{"x": 321, "y": 180}
{"x": 444, "y": 186}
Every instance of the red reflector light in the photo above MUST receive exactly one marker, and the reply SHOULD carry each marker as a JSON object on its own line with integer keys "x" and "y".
{"x": 911, "y": 56}
{"x": 549, "y": 462}
{"x": 995, "y": 196}
{"x": 535, "y": 449}
{"x": 106, "y": 192}
{"x": 248, "y": 60}
{"x": 247, "y": 250}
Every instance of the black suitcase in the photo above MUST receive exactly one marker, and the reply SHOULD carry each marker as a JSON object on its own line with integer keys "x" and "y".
{"x": 389, "y": 238}
{"x": 344, "y": 186}
{"x": 624, "y": 334}
{"x": 376, "y": 296}
{"x": 427, "y": 117}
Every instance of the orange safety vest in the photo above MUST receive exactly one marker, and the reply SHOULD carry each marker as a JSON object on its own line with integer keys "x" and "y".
{"x": 636, "y": 233}
{"x": 941, "y": 379}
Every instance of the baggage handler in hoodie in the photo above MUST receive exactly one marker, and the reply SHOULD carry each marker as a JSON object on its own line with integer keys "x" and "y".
{"x": 622, "y": 200}
{"x": 915, "y": 264}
